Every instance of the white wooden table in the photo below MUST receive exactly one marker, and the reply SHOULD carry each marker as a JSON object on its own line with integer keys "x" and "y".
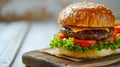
{"x": 17, "y": 38}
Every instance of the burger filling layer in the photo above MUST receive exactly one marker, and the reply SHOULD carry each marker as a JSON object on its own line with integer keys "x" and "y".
{"x": 82, "y": 45}
{"x": 88, "y": 34}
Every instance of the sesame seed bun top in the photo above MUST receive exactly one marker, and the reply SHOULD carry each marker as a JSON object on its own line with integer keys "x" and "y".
{"x": 86, "y": 15}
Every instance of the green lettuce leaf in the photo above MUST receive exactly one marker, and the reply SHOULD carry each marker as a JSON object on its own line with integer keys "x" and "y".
{"x": 69, "y": 45}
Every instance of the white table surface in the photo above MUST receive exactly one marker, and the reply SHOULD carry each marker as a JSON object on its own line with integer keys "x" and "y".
{"x": 17, "y": 38}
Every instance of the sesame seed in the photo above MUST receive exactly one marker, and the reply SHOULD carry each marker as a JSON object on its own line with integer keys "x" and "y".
{"x": 77, "y": 18}
{"x": 108, "y": 11}
{"x": 93, "y": 14}
{"x": 100, "y": 7}
{"x": 84, "y": 14}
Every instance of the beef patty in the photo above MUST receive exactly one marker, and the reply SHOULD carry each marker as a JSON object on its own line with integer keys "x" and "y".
{"x": 88, "y": 34}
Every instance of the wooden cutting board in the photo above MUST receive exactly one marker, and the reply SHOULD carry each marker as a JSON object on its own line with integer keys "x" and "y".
{"x": 41, "y": 59}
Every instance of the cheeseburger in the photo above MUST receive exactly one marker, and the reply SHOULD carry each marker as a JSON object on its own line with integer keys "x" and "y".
{"x": 88, "y": 30}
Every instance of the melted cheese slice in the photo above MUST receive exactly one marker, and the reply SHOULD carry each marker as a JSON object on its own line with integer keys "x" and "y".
{"x": 76, "y": 29}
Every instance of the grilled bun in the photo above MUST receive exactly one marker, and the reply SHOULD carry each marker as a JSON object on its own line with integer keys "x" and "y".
{"x": 92, "y": 54}
{"x": 86, "y": 15}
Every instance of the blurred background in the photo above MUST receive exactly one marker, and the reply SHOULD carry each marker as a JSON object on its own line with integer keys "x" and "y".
{"x": 20, "y": 36}
{"x": 43, "y": 10}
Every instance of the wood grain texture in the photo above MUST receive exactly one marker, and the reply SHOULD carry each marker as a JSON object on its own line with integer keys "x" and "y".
{"x": 10, "y": 41}
{"x": 38, "y": 37}
{"x": 40, "y": 59}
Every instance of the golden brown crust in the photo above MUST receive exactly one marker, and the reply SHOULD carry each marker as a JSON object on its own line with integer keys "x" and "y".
{"x": 87, "y": 15}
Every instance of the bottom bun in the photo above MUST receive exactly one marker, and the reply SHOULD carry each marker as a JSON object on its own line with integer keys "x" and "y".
{"x": 92, "y": 54}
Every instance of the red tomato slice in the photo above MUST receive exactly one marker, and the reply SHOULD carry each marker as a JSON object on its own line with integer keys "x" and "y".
{"x": 113, "y": 38}
{"x": 62, "y": 36}
{"x": 85, "y": 43}
{"x": 117, "y": 28}
{"x": 118, "y": 34}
